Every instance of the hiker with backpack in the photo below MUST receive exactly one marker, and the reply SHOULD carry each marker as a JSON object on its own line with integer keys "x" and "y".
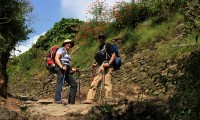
{"x": 104, "y": 58}
{"x": 63, "y": 69}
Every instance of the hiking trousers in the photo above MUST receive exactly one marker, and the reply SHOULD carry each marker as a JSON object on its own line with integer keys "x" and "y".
{"x": 62, "y": 78}
{"x": 96, "y": 83}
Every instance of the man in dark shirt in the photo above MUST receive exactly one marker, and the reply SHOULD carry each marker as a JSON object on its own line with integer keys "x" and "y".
{"x": 104, "y": 71}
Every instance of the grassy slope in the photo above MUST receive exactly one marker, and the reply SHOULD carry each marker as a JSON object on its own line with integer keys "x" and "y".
{"x": 145, "y": 34}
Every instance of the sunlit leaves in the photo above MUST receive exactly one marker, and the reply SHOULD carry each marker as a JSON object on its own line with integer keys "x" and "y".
{"x": 66, "y": 28}
{"x": 90, "y": 30}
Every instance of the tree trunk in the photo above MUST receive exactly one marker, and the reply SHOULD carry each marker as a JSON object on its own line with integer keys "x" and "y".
{"x": 3, "y": 86}
{"x": 3, "y": 75}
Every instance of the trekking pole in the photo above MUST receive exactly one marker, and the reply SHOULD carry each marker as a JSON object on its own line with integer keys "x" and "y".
{"x": 79, "y": 86}
{"x": 79, "y": 93}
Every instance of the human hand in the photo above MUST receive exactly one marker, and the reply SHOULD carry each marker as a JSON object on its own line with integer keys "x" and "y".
{"x": 64, "y": 68}
{"x": 94, "y": 65}
{"x": 78, "y": 70}
{"x": 106, "y": 65}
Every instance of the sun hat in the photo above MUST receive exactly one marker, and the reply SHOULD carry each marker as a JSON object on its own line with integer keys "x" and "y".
{"x": 102, "y": 36}
{"x": 68, "y": 41}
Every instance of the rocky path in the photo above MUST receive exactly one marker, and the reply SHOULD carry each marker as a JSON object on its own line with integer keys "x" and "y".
{"x": 46, "y": 109}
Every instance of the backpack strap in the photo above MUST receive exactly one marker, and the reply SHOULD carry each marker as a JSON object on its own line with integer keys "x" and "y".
{"x": 107, "y": 55}
{"x": 51, "y": 53}
{"x": 64, "y": 52}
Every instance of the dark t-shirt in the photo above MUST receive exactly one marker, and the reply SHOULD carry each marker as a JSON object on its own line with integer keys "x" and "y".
{"x": 104, "y": 53}
{"x": 108, "y": 47}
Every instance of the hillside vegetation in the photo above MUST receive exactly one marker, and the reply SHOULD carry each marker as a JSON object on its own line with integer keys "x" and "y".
{"x": 14, "y": 15}
{"x": 158, "y": 43}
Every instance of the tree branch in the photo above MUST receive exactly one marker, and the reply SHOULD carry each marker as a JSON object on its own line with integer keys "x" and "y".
{"x": 8, "y": 20}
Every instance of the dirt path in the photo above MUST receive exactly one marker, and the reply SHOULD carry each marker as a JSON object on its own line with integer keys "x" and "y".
{"x": 58, "y": 111}
{"x": 13, "y": 104}
{"x": 45, "y": 109}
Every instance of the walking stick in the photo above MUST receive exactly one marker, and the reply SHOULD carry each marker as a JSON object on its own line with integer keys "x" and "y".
{"x": 79, "y": 86}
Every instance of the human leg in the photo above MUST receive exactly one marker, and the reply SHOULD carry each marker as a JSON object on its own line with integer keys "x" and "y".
{"x": 93, "y": 88}
{"x": 59, "y": 86}
{"x": 73, "y": 89}
{"x": 108, "y": 83}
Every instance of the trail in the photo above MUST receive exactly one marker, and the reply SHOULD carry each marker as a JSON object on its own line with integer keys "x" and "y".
{"x": 46, "y": 109}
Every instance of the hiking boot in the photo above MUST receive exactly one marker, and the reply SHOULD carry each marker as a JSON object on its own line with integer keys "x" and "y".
{"x": 58, "y": 102}
{"x": 87, "y": 102}
{"x": 110, "y": 100}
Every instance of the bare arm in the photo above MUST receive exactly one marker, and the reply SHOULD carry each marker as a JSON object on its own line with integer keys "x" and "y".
{"x": 112, "y": 58}
{"x": 57, "y": 60}
{"x": 110, "y": 61}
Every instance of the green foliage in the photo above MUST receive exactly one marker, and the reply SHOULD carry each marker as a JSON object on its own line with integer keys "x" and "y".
{"x": 13, "y": 28}
{"x": 176, "y": 49}
{"x": 90, "y": 30}
{"x": 149, "y": 33}
{"x": 185, "y": 102}
{"x": 85, "y": 54}
{"x": 160, "y": 7}
{"x": 191, "y": 14}
{"x": 29, "y": 63}
{"x": 65, "y": 29}
{"x": 129, "y": 15}
{"x": 189, "y": 9}
{"x": 25, "y": 66}
{"x": 131, "y": 39}
{"x": 137, "y": 25}
{"x": 112, "y": 27}
{"x": 102, "y": 112}
{"x": 133, "y": 111}
{"x": 146, "y": 111}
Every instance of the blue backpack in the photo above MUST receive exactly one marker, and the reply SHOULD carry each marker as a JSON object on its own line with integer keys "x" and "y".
{"x": 117, "y": 61}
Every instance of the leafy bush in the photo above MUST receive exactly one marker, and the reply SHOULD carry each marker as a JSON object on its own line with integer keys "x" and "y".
{"x": 90, "y": 30}
{"x": 133, "y": 111}
{"x": 186, "y": 101}
{"x": 128, "y": 15}
{"x": 66, "y": 28}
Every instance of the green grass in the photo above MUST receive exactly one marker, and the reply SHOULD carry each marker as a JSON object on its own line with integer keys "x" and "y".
{"x": 32, "y": 64}
{"x": 84, "y": 55}
{"x": 162, "y": 31}
{"x": 177, "y": 48}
